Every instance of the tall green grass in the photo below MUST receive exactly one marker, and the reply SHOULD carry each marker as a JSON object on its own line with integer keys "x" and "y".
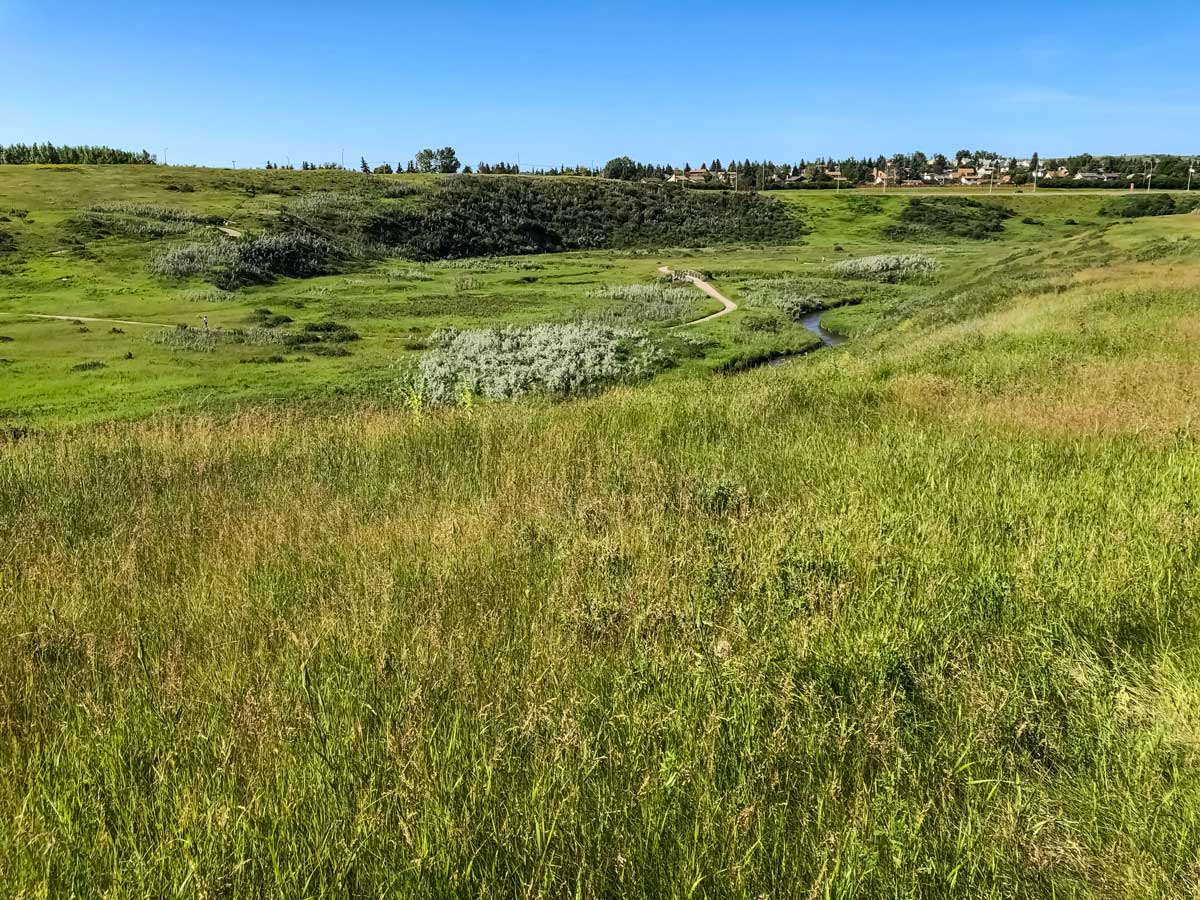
{"x": 778, "y": 635}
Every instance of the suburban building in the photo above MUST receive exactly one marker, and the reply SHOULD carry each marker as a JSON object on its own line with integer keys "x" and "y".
{"x": 695, "y": 176}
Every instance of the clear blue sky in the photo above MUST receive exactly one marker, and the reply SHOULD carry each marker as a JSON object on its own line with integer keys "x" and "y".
{"x": 554, "y": 83}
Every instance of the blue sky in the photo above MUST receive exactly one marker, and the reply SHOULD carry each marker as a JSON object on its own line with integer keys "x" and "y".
{"x": 562, "y": 83}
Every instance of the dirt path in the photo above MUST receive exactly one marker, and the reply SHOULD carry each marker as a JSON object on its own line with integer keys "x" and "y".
{"x": 232, "y": 232}
{"x": 91, "y": 319}
{"x": 729, "y": 305}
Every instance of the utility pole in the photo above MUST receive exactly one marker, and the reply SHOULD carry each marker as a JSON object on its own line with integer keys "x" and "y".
{"x": 1150, "y": 174}
{"x": 165, "y": 149}
{"x": 1191, "y": 172}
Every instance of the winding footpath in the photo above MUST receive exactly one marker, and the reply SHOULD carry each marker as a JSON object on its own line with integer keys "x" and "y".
{"x": 92, "y": 319}
{"x": 729, "y": 305}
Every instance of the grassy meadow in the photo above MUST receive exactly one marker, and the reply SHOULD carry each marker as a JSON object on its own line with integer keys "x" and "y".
{"x": 66, "y": 371}
{"x": 914, "y": 617}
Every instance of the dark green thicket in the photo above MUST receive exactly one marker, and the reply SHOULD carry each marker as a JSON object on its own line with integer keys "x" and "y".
{"x": 1141, "y": 205}
{"x": 503, "y": 216}
{"x": 466, "y": 217}
{"x": 941, "y": 217}
{"x": 7, "y": 243}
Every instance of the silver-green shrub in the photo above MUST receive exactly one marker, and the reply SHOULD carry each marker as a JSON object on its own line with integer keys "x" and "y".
{"x": 551, "y": 360}
{"x": 649, "y": 302}
{"x": 889, "y": 267}
{"x": 144, "y": 220}
{"x": 185, "y": 337}
{"x": 193, "y": 258}
{"x": 408, "y": 275}
{"x": 232, "y": 263}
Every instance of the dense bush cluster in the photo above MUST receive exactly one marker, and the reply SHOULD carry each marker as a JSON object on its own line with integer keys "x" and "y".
{"x": 889, "y": 267}
{"x": 492, "y": 264}
{"x": 185, "y": 337}
{"x": 797, "y": 306}
{"x": 232, "y": 263}
{"x": 649, "y": 302}
{"x": 933, "y": 217}
{"x": 408, "y": 275}
{"x": 798, "y": 295}
{"x": 507, "y": 216}
{"x": 140, "y": 220}
{"x": 1138, "y": 206}
{"x": 323, "y": 338}
{"x": 464, "y": 217}
{"x": 551, "y": 360}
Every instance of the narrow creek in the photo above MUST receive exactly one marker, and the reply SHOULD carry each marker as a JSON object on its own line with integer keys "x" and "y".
{"x": 812, "y": 321}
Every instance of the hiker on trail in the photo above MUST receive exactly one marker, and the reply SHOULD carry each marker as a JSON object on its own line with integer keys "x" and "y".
{"x": 205, "y": 322}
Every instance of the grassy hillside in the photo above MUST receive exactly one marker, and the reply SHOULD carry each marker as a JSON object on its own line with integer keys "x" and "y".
{"x": 97, "y": 242}
{"x": 911, "y": 618}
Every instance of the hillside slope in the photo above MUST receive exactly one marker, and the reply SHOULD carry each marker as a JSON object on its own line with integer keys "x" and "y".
{"x": 914, "y": 618}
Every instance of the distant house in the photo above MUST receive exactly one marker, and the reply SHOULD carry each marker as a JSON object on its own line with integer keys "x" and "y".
{"x": 882, "y": 177}
{"x": 1088, "y": 176}
{"x": 964, "y": 172}
{"x": 696, "y": 176}
{"x": 936, "y": 178}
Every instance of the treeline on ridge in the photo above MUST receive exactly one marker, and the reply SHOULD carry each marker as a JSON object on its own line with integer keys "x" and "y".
{"x": 52, "y": 154}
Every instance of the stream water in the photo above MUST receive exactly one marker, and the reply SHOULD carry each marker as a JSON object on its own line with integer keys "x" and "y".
{"x": 812, "y": 322}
